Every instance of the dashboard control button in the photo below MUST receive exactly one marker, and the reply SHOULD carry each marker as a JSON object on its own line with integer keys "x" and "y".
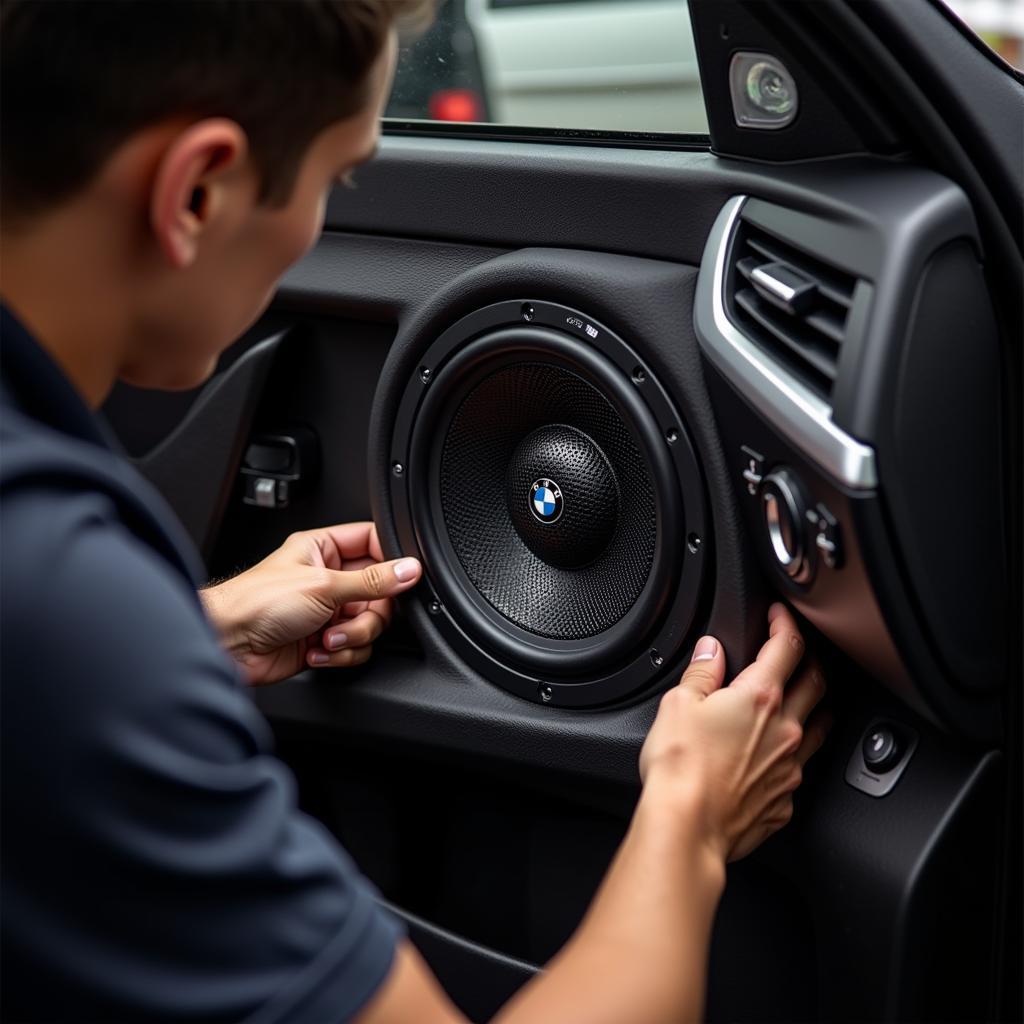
{"x": 753, "y": 472}
{"x": 784, "y": 510}
{"x": 881, "y": 749}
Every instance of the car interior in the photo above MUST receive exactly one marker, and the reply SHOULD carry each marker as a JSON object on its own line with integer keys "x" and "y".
{"x": 621, "y": 389}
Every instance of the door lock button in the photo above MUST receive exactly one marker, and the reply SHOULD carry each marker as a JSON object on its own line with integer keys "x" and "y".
{"x": 881, "y": 749}
{"x": 881, "y": 757}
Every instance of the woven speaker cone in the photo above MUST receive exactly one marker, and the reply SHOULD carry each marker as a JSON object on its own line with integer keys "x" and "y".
{"x": 532, "y": 428}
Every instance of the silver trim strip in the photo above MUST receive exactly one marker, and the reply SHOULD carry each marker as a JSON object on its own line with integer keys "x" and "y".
{"x": 792, "y": 408}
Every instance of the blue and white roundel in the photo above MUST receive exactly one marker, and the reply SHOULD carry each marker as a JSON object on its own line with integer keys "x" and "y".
{"x": 545, "y": 500}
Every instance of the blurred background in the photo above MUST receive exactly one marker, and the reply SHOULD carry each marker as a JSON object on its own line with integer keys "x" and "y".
{"x": 618, "y": 65}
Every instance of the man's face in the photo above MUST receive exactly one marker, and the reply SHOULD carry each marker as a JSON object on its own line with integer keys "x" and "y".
{"x": 209, "y": 304}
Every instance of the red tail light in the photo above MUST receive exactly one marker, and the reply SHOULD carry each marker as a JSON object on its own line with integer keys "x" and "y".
{"x": 455, "y": 105}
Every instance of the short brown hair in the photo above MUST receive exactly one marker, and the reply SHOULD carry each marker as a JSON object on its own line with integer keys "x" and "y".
{"x": 78, "y": 77}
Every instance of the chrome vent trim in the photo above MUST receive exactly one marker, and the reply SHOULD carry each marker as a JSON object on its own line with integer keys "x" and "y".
{"x": 799, "y": 414}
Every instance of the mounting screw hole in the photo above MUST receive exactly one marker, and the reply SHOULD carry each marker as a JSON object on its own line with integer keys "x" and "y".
{"x": 426, "y": 374}
{"x": 656, "y": 659}
{"x": 693, "y": 542}
{"x": 639, "y": 375}
{"x": 672, "y": 435}
{"x": 397, "y": 468}
{"x": 434, "y": 606}
{"x": 528, "y": 312}
{"x": 546, "y": 693}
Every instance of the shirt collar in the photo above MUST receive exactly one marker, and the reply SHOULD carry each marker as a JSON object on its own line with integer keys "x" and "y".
{"x": 38, "y": 387}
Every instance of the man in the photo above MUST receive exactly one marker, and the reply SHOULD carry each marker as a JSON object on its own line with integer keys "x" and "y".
{"x": 163, "y": 163}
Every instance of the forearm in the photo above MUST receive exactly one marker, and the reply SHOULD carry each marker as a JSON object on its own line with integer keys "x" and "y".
{"x": 217, "y": 605}
{"x": 640, "y": 954}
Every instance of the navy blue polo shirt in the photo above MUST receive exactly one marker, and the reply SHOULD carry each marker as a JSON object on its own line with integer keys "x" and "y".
{"x": 154, "y": 864}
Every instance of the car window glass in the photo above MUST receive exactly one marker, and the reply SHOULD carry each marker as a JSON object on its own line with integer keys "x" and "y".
{"x": 997, "y": 23}
{"x": 604, "y": 65}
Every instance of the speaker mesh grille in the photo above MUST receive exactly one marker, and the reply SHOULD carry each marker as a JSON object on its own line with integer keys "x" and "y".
{"x": 557, "y": 603}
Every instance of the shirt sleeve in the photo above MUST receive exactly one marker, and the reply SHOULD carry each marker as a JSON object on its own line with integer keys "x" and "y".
{"x": 155, "y": 864}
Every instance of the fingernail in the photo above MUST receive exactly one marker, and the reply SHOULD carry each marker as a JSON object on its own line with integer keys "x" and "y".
{"x": 706, "y": 649}
{"x": 336, "y": 640}
{"x": 406, "y": 569}
{"x": 319, "y": 658}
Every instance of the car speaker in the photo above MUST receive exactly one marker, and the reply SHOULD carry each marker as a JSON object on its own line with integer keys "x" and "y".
{"x": 549, "y": 485}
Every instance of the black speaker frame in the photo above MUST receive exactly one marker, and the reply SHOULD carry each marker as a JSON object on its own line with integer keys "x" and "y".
{"x": 563, "y": 673}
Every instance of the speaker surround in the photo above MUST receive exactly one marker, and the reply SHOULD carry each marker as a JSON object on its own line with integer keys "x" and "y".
{"x": 549, "y": 485}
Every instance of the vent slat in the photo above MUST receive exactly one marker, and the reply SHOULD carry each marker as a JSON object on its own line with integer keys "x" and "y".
{"x": 806, "y": 336}
{"x": 828, "y": 324}
{"x": 822, "y": 363}
{"x": 831, "y": 284}
{"x": 747, "y": 266}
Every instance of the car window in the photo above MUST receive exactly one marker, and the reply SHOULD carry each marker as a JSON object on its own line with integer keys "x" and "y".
{"x": 602, "y": 65}
{"x": 999, "y": 24}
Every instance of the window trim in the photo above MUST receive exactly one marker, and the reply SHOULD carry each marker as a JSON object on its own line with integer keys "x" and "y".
{"x": 693, "y": 142}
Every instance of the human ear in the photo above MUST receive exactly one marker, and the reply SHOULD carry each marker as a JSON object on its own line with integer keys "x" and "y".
{"x": 190, "y": 185}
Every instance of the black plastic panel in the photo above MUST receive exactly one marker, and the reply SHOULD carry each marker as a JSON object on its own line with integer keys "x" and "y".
{"x": 828, "y": 121}
{"x": 941, "y": 462}
{"x": 641, "y": 202}
{"x": 840, "y": 917}
{"x": 323, "y": 381}
{"x": 206, "y": 447}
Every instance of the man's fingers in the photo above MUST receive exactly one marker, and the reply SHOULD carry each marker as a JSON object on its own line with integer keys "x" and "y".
{"x": 354, "y": 564}
{"x": 706, "y": 670}
{"x": 383, "y": 608}
{"x": 375, "y": 581}
{"x": 348, "y": 657}
{"x": 815, "y": 733}
{"x": 779, "y": 656}
{"x": 342, "y": 542}
{"x": 357, "y": 632}
{"x": 804, "y": 692}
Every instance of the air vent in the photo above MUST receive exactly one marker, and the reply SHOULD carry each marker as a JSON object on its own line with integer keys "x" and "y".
{"x": 793, "y": 305}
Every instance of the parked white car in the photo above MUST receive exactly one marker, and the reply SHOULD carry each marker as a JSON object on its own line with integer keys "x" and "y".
{"x": 624, "y": 65}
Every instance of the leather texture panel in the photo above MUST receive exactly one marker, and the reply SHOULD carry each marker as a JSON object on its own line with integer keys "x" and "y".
{"x": 374, "y": 278}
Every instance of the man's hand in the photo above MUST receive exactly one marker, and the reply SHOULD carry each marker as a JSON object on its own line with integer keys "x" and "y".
{"x": 739, "y": 752}
{"x": 320, "y": 599}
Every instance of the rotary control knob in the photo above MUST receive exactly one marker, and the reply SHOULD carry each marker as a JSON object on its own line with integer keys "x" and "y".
{"x": 784, "y": 516}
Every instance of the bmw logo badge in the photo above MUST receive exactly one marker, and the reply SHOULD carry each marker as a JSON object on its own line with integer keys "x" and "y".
{"x": 545, "y": 500}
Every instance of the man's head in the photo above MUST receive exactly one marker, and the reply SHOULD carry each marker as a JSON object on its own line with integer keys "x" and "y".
{"x": 188, "y": 145}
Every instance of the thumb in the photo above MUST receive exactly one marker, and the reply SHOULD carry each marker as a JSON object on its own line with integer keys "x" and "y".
{"x": 706, "y": 671}
{"x": 374, "y": 581}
